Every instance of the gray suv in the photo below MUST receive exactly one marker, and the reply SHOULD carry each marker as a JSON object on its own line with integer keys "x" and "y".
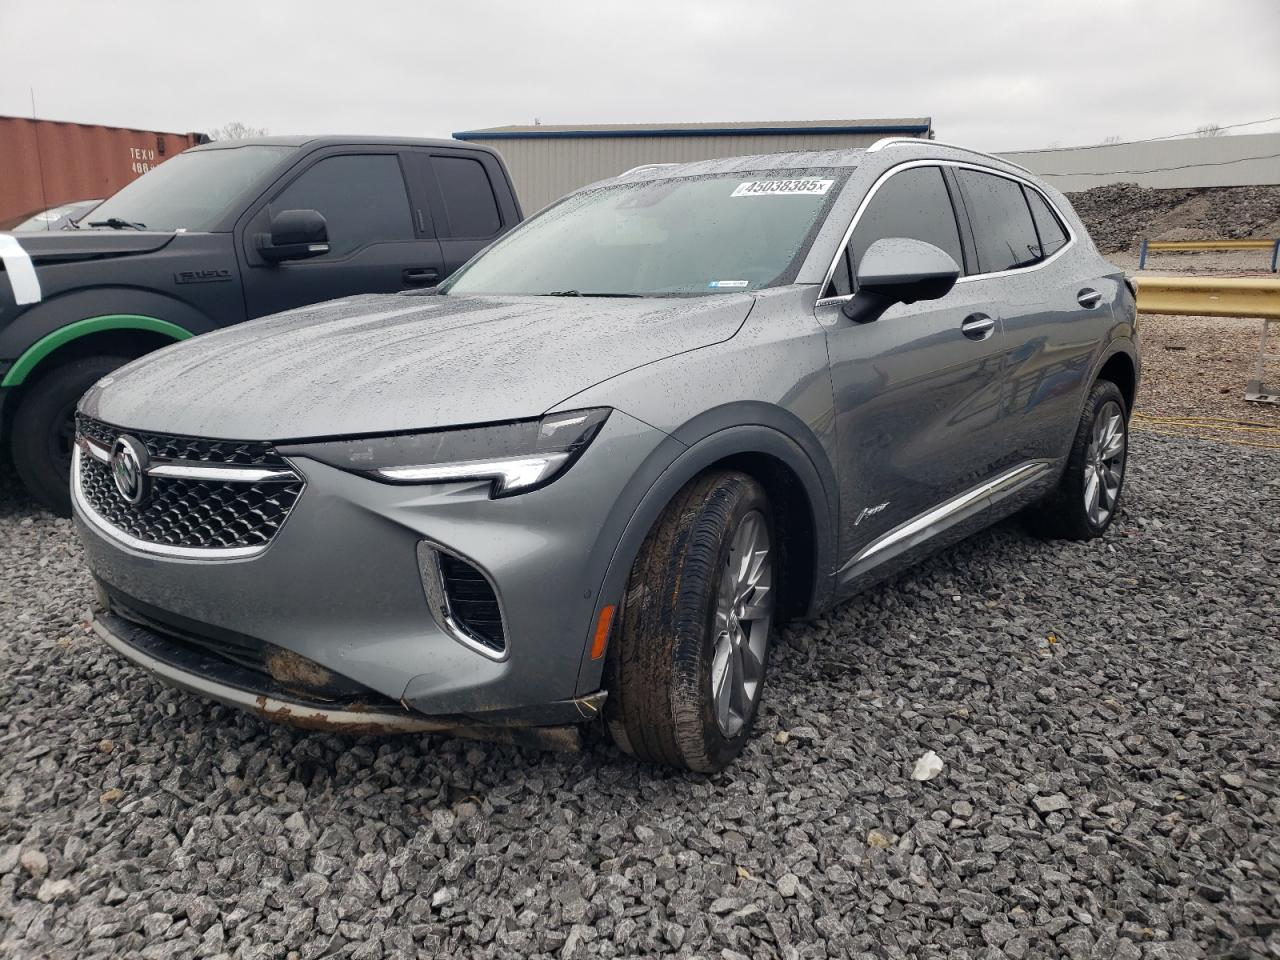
{"x": 584, "y": 478}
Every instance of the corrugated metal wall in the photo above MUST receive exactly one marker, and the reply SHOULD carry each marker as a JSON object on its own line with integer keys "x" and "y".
{"x": 545, "y": 169}
{"x": 1252, "y": 158}
{"x": 79, "y": 161}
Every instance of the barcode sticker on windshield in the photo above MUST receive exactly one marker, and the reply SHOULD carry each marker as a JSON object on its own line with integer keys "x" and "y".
{"x": 778, "y": 188}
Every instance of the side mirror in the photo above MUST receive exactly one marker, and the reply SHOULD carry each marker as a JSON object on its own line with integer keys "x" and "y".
{"x": 295, "y": 235}
{"x": 898, "y": 270}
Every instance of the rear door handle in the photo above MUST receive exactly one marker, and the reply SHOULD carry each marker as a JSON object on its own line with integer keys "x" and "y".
{"x": 978, "y": 326}
{"x": 1088, "y": 298}
{"x": 420, "y": 276}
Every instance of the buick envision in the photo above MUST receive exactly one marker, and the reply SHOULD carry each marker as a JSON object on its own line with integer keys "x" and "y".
{"x": 586, "y": 477}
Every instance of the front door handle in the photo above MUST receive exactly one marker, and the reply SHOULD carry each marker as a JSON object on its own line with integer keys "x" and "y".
{"x": 421, "y": 276}
{"x": 1088, "y": 298}
{"x": 978, "y": 326}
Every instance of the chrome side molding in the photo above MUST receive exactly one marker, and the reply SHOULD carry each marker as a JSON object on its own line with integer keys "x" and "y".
{"x": 932, "y": 522}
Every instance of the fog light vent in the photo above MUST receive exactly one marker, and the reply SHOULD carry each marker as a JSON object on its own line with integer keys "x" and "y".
{"x": 463, "y": 600}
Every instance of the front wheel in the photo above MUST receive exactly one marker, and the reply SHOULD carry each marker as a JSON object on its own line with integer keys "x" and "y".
{"x": 686, "y": 672}
{"x": 44, "y": 428}
{"x": 1087, "y": 498}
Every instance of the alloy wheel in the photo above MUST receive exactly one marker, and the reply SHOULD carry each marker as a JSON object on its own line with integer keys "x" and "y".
{"x": 1104, "y": 464}
{"x": 744, "y": 611}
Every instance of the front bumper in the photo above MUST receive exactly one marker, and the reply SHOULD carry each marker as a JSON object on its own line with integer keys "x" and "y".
{"x": 340, "y": 585}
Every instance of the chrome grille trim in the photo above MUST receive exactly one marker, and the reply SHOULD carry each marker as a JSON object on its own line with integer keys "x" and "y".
{"x": 200, "y": 471}
{"x": 107, "y": 529}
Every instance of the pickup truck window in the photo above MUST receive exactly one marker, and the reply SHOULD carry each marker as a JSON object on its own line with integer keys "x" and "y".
{"x": 691, "y": 235}
{"x": 468, "y": 197}
{"x": 192, "y": 191}
{"x": 361, "y": 197}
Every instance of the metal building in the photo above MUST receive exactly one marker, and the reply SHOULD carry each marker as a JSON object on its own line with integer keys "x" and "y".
{"x": 547, "y": 161}
{"x": 1239, "y": 160}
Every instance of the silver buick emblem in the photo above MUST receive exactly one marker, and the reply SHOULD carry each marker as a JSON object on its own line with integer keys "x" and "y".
{"x": 128, "y": 469}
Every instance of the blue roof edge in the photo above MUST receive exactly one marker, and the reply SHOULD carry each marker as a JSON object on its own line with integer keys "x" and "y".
{"x": 684, "y": 132}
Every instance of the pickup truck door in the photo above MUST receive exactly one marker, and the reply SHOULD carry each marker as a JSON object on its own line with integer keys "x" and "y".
{"x": 469, "y": 196}
{"x": 379, "y": 242}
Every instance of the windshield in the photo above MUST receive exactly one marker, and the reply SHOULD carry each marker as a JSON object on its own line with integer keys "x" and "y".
{"x": 189, "y": 192}
{"x": 695, "y": 235}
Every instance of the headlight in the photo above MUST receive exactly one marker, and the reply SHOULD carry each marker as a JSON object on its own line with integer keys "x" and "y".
{"x": 518, "y": 456}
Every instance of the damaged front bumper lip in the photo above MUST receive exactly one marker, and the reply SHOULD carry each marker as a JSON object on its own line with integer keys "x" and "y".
{"x": 312, "y": 716}
{"x": 550, "y": 726}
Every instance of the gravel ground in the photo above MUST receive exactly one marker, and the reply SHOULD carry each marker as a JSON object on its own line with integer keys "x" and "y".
{"x": 1196, "y": 367}
{"x": 1106, "y": 714}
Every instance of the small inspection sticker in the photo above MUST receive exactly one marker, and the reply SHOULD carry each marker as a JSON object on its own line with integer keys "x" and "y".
{"x": 722, "y": 284}
{"x": 781, "y": 188}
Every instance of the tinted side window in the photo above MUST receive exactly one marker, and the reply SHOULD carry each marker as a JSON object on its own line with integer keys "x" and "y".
{"x": 469, "y": 202}
{"x": 1053, "y": 237}
{"x": 912, "y": 204}
{"x": 362, "y": 199}
{"x": 1001, "y": 221}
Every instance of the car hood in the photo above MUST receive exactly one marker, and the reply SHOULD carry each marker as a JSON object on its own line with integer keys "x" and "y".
{"x": 67, "y": 246}
{"x": 390, "y": 363}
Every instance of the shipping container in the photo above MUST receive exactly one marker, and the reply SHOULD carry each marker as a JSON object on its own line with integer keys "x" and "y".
{"x": 44, "y": 163}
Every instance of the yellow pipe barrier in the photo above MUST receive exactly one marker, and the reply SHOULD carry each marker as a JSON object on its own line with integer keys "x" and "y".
{"x": 1184, "y": 245}
{"x": 1209, "y": 296}
{"x": 1210, "y": 244}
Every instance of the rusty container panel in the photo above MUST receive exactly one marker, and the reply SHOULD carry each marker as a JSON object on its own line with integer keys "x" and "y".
{"x": 47, "y": 162}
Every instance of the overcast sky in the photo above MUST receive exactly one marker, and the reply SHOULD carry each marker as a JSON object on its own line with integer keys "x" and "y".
{"x": 993, "y": 74}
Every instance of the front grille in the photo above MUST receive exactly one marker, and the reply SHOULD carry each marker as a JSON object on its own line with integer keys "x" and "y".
{"x": 472, "y": 602}
{"x": 200, "y": 513}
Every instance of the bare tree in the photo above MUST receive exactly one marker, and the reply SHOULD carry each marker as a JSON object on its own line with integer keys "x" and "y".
{"x": 1210, "y": 130}
{"x": 235, "y": 130}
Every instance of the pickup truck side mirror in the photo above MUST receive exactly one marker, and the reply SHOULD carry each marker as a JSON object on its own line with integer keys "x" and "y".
{"x": 899, "y": 270}
{"x": 295, "y": 235}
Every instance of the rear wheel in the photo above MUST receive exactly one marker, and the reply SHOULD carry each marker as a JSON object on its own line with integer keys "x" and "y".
{"x": 1088, "y": 495}
{"x": 686, "y": 672}
{"x": 44, "y": 428}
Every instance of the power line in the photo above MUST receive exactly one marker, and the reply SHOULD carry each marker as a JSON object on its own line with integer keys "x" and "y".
{"x": 1184, "y": 166}
{"x": 1124, "y": 143}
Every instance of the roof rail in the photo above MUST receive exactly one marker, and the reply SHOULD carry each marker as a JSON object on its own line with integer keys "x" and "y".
{"x": 645, "y": 166}
{"x": 900, "y": 141}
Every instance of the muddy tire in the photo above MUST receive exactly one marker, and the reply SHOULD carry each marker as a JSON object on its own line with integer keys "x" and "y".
{"x": 686, "y": 669}
{"x": 44, "y": 428}
{"x": 1087, "y": 497}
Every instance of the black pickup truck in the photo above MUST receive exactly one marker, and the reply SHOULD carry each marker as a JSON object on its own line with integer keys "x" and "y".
{"x": 222, "y": 233}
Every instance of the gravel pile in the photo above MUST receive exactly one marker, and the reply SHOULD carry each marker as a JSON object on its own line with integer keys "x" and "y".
{"x": 1119, "y": 216}
{"x": 1106, "y": 715}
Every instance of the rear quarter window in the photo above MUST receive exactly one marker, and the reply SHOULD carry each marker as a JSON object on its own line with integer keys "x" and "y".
{"x": 469, "y": 201}
{"x": 1053, "y": 236}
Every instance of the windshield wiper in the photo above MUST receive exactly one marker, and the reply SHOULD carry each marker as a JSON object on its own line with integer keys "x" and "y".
{"x": 115, "y": 223}
{"x": 579, "y": 293}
